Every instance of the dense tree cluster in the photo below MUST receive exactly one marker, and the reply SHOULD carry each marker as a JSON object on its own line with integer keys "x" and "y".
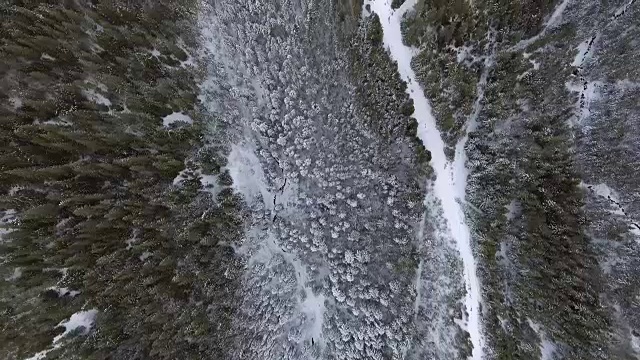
{"x": 544, "y": 246}
{"x": 337, "y": 183}
{"x": 87, "y": 181}
{"x": 455, "y": 39}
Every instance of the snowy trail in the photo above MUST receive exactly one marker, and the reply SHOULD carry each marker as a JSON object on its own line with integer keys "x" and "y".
{"x": 449, "y": 186}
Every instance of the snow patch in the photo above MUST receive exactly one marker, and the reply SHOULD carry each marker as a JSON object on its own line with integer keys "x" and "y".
{"x": 17, "y": 273}
{"x": 48, "y": 57}
{"x": 603, "y": 190}
{"x": 635, "y": 342}
{"x": 416, "y": 304}
{"x": 8, "y": 217}
{"x": 547, "y": 348}
{"x": 464, "y": 53}
{"x": 96, "y": 97}
{"x": 15, "y": 102}
{"x": 176, "y": 117}
{"x": 133, "y": 239}
{"x": 207, "y": 181}
{"x": 616, "y": 208}
{"x": 41, "y": 355}
{"x": 313, "y": 305}
{"x": 622, "y": 9}
{"x": 554, "y": 20}
{"x": 556, "y": 16}
{"x": 261, "y": 247}
{"x": 210, "y": 183}
{"x": 145, "y": 255}
{"x": 310, "y": 304}
{"x": 63, "y": 271}
{"x": 58, "y": 122}
{"x": 247, "y": 174}
{"x": 585, "y": 51}
{"x": 626, "y": 85}
{"x": 588, "y": 94}
{"x": 65, "y": 291}
{"x": 189, "y": 62}
{"x": 513, "y": 210}
{"x": 182, "y": 176}
{"x": 82, "y": 320}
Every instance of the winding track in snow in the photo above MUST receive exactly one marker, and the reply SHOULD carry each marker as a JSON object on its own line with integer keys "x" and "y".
{"x": 450, "y": 183}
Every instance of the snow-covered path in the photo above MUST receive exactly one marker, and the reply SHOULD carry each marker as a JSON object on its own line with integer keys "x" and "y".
{"x": 450, "y": 184}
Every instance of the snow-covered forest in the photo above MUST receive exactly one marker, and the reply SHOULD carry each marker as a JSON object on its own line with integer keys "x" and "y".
{"x": 315, "y": 179}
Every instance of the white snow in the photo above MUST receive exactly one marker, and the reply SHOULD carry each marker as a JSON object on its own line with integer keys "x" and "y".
{"x": 80, "y": 320}
{"x": 616, "y": 208}
{"x": 65, "y": 291}
{"x": 587, "y": 90}
{"x": 48, "y": 57}
{"x": 17, "y": 273}
{"x": 310, "y": 304}
{"x": 416, "y": 304}
{"x": 536, "y": 65}
{"x": 247, "y": 174}
{"x": 513, "y": 209}
{"x": 59, "y": 122}
{"x": 603, "y": 190}
{"x": 450, "y": 183}
{"x": 16, "y": 102}
{"x": 176, "y": 117}
{"x": 626, "y": 85}
{"x": 133, "y": 239}
{"x": 547, "y": 348}
{"x": 622, "y": 9}
{"x": 262, "y": 245}
{"x": 63, "y": 271}
{"x": 8, "y": 217}
{"x": 96, "y": 97}
{"x": 588, "y": 93}
{"x": 463, "y": 53}
{"x": 210, "y": 183}
{"x": 554, "y": 20}
{"x": 635, "y": 343}
{"x": 41, "y": 355}
{"x": 190, "y": 60}
{"x": 182, "y": 176}
{"x": 313, "y": 305}
{"x": 583, "y": 50}
{"x": 556, "y": 17}
{"x": 145, "y": 255}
